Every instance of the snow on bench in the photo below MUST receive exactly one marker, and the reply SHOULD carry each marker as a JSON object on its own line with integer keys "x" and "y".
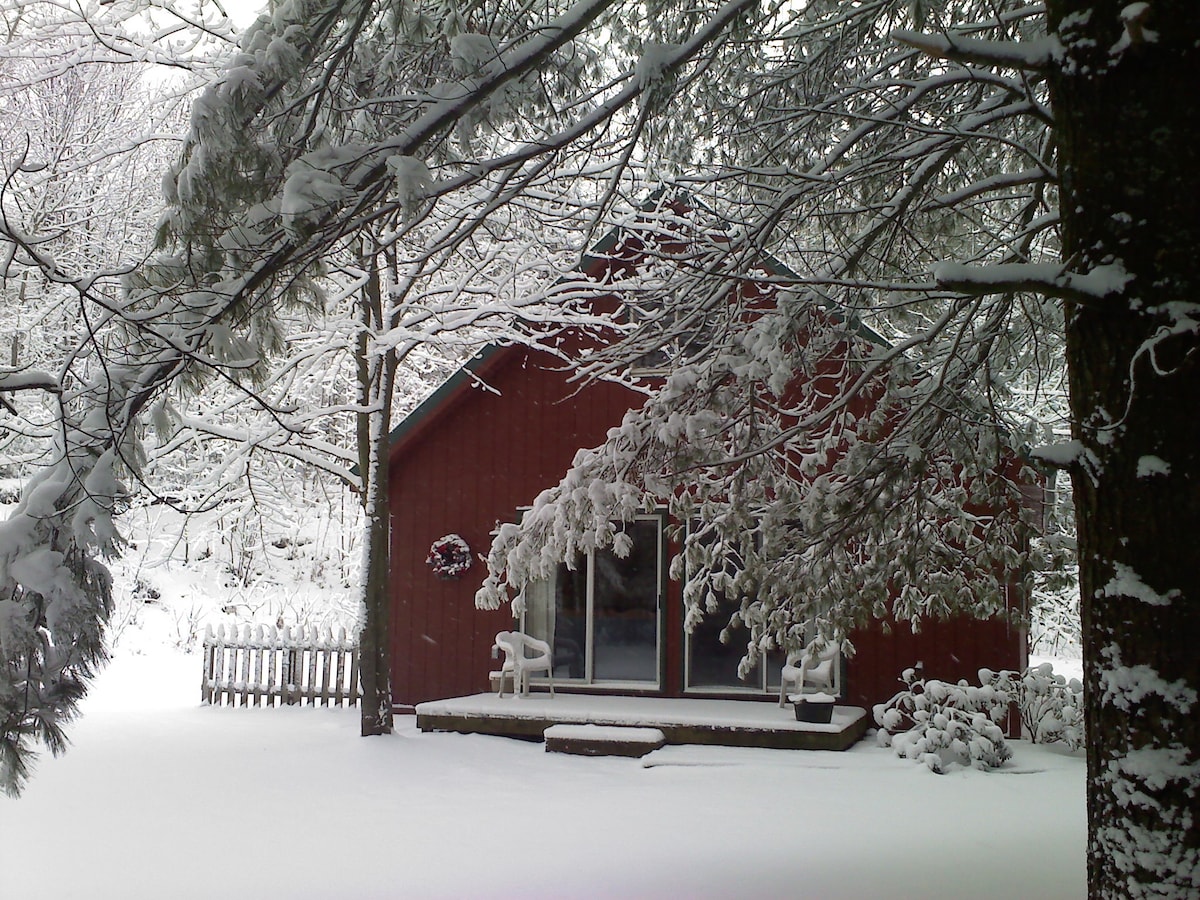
{"x": 602, "y": 740}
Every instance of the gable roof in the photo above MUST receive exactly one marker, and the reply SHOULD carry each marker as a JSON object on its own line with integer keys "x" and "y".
{"x": 475, "y": 371}
{"x": 466, "y": 378}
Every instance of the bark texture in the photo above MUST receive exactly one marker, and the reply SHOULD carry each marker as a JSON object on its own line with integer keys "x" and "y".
{"x": 376, "y": 377}
{"x": 375, "y": 671}
{"x": 1126, "y": 101}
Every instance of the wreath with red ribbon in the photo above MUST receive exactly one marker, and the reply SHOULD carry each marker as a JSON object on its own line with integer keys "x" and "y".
{"x": 450, "y": 556}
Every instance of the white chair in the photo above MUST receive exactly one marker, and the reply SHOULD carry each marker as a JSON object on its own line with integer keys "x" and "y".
{"x": 524, "y": 655}
{"x": 812, "y": 669}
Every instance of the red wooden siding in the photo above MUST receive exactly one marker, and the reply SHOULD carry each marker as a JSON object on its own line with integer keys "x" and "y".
{"x": 472, "y": 462}
{"x": 478, "y": 456}
{"x": 473, "y": 456}
{"x": 948, "y": 650}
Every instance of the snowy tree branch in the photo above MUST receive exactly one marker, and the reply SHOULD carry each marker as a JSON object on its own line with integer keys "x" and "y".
{"x": 1048, "y": 279}
{"x": 1030, "y": 56}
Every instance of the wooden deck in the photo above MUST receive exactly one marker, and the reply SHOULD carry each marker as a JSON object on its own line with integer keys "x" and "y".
{"x": 729, "y": 723}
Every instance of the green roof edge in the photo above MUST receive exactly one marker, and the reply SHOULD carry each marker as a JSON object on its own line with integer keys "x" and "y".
{"x": 465, "y": 374}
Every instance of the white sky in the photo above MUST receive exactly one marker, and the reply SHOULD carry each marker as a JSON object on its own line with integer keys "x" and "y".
{"x": 243, "y": 12}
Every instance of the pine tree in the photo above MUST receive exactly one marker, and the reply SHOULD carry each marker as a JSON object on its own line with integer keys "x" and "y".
{"x": 80, "y": 142}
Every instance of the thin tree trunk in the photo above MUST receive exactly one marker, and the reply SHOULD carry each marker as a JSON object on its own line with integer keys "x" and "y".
{"x": 374, "y": 649}
{"x": 376, "y": 381}
{"x": 1127, "y": 118}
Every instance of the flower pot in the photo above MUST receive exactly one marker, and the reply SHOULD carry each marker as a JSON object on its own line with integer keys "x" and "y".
{"x": 816, "y": 712}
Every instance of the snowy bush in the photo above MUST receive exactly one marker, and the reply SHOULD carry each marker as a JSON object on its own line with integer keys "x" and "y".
{"x": 145, "y": 591}
{"x": 10, "y": 491}
{"x": 938, "y": 723}
{"x": 1051, "y": 706}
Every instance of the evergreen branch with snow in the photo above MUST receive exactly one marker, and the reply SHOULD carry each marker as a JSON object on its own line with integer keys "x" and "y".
{"x": 1029, "y": 56}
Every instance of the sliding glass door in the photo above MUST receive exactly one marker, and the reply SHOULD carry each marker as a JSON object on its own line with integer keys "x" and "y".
{"x": 603, "y": 616}
{"x": 625, "y": 604}
{"x": 714, "y": 650}
{"x": 712, "y": 664}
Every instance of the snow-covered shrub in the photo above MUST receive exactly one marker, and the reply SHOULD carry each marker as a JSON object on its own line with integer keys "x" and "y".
{"x": 938, "y": 723}
{"x": 145, "y": 591}
{"x": 1051, "y": 706}
{"x": 10, "y": 491}
{"x": 186, "y": 630}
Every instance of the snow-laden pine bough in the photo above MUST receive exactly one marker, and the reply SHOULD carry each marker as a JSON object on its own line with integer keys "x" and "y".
{"x": 818, "y": 479}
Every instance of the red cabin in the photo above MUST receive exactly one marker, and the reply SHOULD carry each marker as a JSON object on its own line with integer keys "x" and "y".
{"x": 479, "y": 450}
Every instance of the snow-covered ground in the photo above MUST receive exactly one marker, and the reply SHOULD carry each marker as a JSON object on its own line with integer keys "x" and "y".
{"x": 161, "y": 797}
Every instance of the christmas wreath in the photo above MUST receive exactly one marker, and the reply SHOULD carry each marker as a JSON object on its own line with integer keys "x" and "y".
{"x": 450, "y": 556}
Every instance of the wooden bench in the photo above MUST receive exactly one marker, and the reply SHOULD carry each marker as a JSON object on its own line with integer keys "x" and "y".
{"x": 602, "y": 740}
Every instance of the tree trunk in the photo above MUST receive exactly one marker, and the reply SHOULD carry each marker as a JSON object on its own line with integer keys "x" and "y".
{"x": 1126, "y": 102}
{"x": 376, "y": 377}
{"x": 375, "y": 672}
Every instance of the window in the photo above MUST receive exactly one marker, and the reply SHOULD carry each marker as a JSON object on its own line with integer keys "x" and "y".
{"x": 603, "y": 617}
{"x": 712, "y": 666}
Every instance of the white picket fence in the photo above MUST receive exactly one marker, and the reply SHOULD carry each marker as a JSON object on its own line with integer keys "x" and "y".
{"x": 265, "y": 666}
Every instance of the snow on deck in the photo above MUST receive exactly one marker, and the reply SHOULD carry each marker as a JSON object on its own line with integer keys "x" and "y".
{"x": 682, "y": 721}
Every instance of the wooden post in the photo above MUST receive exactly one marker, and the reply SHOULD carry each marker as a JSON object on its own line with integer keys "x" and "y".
{"x": 326, "y": 660}
{"x": 244, "y": 651}
{"x": 341, "y": 665}
{"x": 218, "y": 666}
{"x": 206, "y": 677}
{"x": 258, "y": 666}
{"x": 314, "y": 645}
{"x": 272, "y": 664}
{"x": 285, "y": 675}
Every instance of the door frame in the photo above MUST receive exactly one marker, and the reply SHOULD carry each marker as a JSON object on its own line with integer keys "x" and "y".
{"x": 589, "y": 679}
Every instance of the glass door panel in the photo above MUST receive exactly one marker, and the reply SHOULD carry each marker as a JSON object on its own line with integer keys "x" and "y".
{"x": 602, "y": 616}
{"x": 625, "y": 602}
{"x": 712, "y": 665}
{"x": 556, "y": 611}
{"x": 570, "y": 621}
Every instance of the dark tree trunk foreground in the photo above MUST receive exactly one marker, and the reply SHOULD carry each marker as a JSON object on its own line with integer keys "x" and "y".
{"x": 1127, "y": 118}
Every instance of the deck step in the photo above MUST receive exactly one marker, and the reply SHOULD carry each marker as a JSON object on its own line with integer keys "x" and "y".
{"x": 603, "y": 740}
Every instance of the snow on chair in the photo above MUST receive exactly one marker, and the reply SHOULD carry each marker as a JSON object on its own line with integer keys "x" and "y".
{"x": 820, "y": 669}
{"x": 523, "y": 655}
